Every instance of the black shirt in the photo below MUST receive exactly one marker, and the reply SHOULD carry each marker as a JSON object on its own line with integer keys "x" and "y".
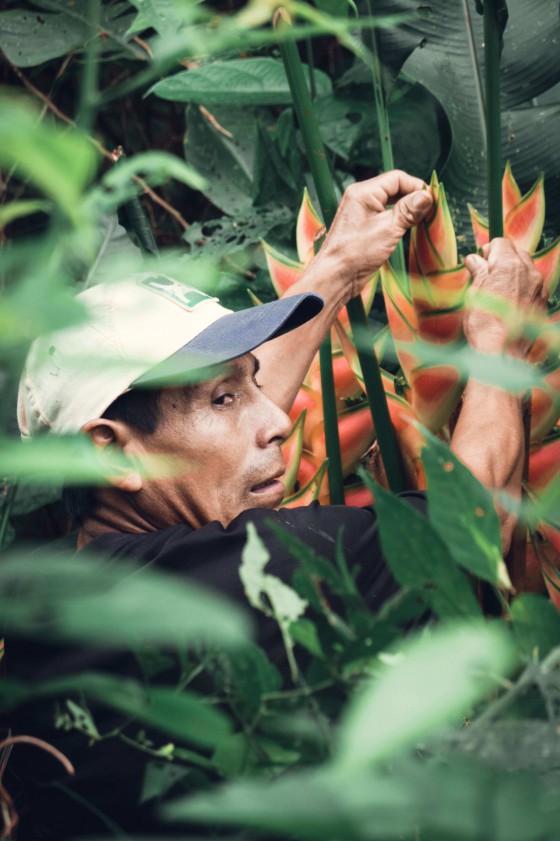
{"x": 210, "y": 555}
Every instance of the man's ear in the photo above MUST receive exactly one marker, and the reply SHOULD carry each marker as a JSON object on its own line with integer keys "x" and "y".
{"x": 103, "y": 433}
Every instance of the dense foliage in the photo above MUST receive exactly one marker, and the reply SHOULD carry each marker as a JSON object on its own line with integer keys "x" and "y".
{"x": 160, "y": 132}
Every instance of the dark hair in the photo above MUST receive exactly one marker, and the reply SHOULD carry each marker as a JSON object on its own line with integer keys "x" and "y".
{"x": 139, "y": 408}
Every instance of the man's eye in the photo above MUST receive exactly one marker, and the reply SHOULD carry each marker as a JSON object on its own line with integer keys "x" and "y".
{"x": 223, "y": 399}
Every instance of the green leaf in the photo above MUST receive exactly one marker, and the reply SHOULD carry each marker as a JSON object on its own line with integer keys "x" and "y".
{"x": 227, "y": 235}
{"x": 183, "y": 715}
{"x": 165, "y": 16}
{"x": 29, "y": 38}
{"x": 224, "y": 157}
{"x": 116, "y": 255}
{"x": 536, "y": 623}
{"x": 117, "y": 185}
{"x": 505, "y": 372}
{"x": 59, "y": 162}
{"x": 418, "y": 557}
{"x": 462, "y": 512}
{"x": 252, "y": 81}
{"x": 87, "y": 599}
{"x": 443, "y": 52}
{"x": 426, "y": 799}
{"x": 285, "y": 604}
{"x": 427, "y": 684}
{"x": 72, "y": 459}
{"x": 17, "y": 209}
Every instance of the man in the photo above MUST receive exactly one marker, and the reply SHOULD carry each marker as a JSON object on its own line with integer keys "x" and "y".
{"x": 224, "y": 433}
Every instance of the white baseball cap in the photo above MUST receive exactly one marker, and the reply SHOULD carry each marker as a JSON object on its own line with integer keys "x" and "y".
{"x": 139, "y": 331}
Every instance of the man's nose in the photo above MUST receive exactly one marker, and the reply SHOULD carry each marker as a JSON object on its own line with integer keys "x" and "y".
{"x": 275, "y": 425}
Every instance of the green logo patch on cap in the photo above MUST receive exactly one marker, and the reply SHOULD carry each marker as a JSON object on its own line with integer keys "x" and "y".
{"x": 181, "y": 294}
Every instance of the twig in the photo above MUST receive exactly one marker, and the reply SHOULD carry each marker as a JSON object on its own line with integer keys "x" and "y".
{"x": 213, "y": 122}
{"x": 110, "y": 156}
{"x": 9, "y": 815}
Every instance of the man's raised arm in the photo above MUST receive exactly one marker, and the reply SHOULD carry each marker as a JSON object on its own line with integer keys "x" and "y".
{"x": 489, "y": 435}
{"x": 363, "y": 236}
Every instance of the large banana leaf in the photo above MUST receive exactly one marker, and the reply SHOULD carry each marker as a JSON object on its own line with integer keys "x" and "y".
{"x": 443, "y": 51}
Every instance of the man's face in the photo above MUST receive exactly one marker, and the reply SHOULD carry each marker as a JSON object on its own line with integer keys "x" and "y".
{"x": 225, "y": 437}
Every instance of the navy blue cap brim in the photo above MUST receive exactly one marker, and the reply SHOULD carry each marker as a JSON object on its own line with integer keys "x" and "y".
{"x": 233, "y": 335}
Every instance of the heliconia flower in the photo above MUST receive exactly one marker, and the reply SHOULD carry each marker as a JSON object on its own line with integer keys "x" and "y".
{"x": 291, "y": 451}
{"x": 547, "y": 261}
{"x": 548, "y": 339}
{"x": 511, "y": 194}
{"x": 442, "y": 291}
{"x": 433, "y": 245}
{"x": 356, "y": 434}
{"x": 401, "y": 317}
{"x": 310, "y": 400}
{"x": 545, "y": 406}
{"x": 308, "y": 228}
{"x": 284, "y": 272}
{"x": 436, "y": 390}
{"x": 309, "y": 492}
{"x": 358, "y": 495}
{"x": 523, "y": 220}
{"x": 544, "y": 461}
{"x": 549, "y": 557}
{"x": 346, "y": 384}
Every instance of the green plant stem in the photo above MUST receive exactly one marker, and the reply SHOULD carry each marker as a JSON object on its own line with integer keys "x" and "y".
{"x": 493, "y": 117}
{"x": 8, "y": 505}
{"x": 311, "y": 66}
{"x": 89, "y": 98}
{"x": 327, "y": 199}
{"x": 384, "y": 129}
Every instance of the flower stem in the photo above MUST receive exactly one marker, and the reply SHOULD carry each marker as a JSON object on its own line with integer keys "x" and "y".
{"x": 327, "y": 199}
{"x": 384, "y": 130}
{"x": 89, "y": 96}
{"x": 493, "y": 116}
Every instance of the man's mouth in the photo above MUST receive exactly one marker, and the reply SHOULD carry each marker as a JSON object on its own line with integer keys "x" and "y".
{"x": 272, "y": 484}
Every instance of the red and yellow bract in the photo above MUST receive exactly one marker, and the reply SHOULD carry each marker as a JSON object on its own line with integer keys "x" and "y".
{"x": 427, "y": 305}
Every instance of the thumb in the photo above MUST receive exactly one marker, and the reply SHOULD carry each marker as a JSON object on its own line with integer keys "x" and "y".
{"x": 411, "y": 209}
{"x": 477, "y": 266}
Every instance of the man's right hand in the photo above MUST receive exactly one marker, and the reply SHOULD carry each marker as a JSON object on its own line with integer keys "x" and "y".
{"x": 363, "y": 236}
{"x": 365, "y": 232}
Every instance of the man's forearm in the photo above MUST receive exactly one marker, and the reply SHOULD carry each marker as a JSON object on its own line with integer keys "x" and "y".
{"x": 371, "y": 219}
{"x": 285, "y": 361}
{"x": 489, "y": 440}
